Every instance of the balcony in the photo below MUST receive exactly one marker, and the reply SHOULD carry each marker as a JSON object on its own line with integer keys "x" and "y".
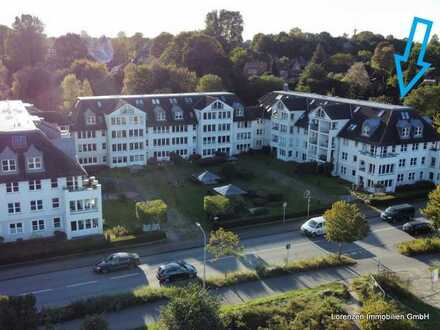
{"x": 370, "y": 154}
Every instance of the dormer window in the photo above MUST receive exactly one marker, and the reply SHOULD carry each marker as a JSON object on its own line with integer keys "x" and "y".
{"x": 418, "y": 131}
{"x": 9, "y": 165}
{"x": 34, "y": 163}
{"x": 160, "y": 116}
{"x": 91, "y": 120}
{"x": 240, "y": 112}
{"x": 178, "y": 115}
{"x": 217, "y": 105}
{"x": 280, "y": 105}
{"x": 366, "y": 130}
{"x": 405, "y": 132}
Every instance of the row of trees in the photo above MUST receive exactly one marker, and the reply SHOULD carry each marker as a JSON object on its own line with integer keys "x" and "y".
{"x": 52, "y": 72}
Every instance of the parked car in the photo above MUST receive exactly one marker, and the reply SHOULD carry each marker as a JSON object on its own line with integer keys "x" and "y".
{"x": 418, "y": 226}
{"x": 314, "y": 227}
{"x": 116, "y": 261}
{"x": 175, "y": 271}
{"x": 398, "y": 213}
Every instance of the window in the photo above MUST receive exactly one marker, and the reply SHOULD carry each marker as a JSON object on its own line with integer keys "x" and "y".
{"x": 399, "y": 177}
{"x": 55, "y": 203}
{"x": 418, "y": 131}
{"x": 35, "y": 185}
{"x": 160, "y": 116}
{"x": 54, "y": 183}
{"x": 56, "y": 222}
{"x": 15, "y": 228}
{"x": 413, "y": 161}
{"x": 91, "y": 120}
{"x": 402, "y": 162}
{"x": 403, "y": 147}
{"x": 178, "y": 115}
{"x": 9, "y": 165}
{"x": 34, "y": 163}
{"x": 38, "y": 225}
{"x": 12, "y": 187}
{"x": 415, "y": 146}
{"x": 14, "y": 208}
{"x": 411, "y": 176}
{"x": 36, "y": 205}
{"x": 405, "y": 132}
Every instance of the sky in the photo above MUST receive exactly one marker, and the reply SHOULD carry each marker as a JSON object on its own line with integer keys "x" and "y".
{"x": 109, "y": 17}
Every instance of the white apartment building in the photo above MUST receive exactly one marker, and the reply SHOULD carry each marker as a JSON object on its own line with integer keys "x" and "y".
{"x": 369, "y": 144}
{"x": 128, "y": 130}
{"x": 42, "y": 189}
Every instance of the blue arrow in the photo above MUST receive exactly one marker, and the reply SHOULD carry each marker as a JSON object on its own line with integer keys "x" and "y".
{"x": 398, "y": 59}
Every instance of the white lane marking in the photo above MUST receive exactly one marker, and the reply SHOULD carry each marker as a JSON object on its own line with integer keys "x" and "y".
{"x": 80, "y": 284}
{"x": 36, "y": 292}
{"x": 124, "y": 276}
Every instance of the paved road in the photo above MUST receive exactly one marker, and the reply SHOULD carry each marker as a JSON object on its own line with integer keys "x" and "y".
{"x": 63, "y": 286}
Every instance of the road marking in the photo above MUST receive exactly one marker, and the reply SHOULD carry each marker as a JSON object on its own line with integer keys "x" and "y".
{"x": 80, "y": 284}
{"x": 124, "y": 276}
{"x": 36, "y": 292}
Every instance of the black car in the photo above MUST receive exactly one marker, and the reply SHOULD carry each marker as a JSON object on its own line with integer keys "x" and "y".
{"x": 398, "y": 213}
{"x": 116, "y": 261}
{"x": 175, "y": 271}
{"x": 420, "y": 226}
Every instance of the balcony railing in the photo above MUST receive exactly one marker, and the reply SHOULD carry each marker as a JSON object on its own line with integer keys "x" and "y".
{"x": 370, "y": 154}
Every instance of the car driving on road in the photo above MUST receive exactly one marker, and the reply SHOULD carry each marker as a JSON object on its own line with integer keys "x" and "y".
{"x": 314, "y": 227}
{"x": 398, "y": 213}
{"x": 116, "y": 261}
{"x": 174, "y": 271}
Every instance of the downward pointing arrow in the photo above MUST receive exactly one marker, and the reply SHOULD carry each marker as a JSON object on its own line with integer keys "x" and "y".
{"x": 399, "y": 59}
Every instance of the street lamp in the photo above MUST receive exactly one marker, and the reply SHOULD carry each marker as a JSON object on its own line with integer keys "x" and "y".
{"x": 204, "y": 253}
{"x": 284, "y": 212}
{"x": 308, "y": 196}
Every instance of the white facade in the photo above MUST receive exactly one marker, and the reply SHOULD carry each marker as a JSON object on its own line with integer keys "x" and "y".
{"x": 42, "y": 190}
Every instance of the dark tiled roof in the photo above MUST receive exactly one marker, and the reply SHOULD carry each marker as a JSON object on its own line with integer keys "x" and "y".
{"x": 251, "y": 113}
{"x": 187, "y": 102}
{"x": 387, "y": 132}
{"x": 56, "y": 163}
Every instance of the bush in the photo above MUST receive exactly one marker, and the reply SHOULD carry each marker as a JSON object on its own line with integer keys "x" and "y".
{"x": 420, "y": 185}
{"x": 228, "y": 171}
{"x": 419, "y": 246}
{"x": 17, "y": 313}
{"x": 94, "y": 322}
{"x": 154, "y": 211}
{"x": 216, "y": 205}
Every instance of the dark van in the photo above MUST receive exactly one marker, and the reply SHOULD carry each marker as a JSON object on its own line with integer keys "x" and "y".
{"x": 398, "y": 213}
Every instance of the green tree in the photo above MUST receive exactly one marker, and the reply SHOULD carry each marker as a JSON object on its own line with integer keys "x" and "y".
{"x": 68, "y": 48}
{"x": 319, "y": 55}
{"x": 313, "y": 79}
{"x": 155, "y": 77}
{"x": 26, "y": 44}
{"x": 36, "y": 85}
{"x": 160, "y": 43}
{"x": 379, "y": 306}
{"x": 210, "y": 83}
{"x": 4, "y": 86}
{"x": 383, "y": 57}
{"x": 94, "y": 322}
{"x": 432, "y": 209}
{"x": 216, "y": 205}
{"x": 204, "y": 54}
{"x": 191, "y": 308}
{"x": 224, "y": 243}
{"x": 261, "y": 85}
{"x": 226, "y": 26}
{"x": 19, "y": 312}
{"x": 86, "y": 88}
{"x": 96, "y": 73}
{"x": 151, "y": 212}
{"x": 357, "y": 79}
{"x": 344, "y": 223}
{"x": 425, "y": 99}
{"x": 339, "y": 62}
{"x": 71, "y": 88}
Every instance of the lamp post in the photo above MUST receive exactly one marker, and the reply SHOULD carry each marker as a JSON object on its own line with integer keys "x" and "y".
{"x": 308, "y": 196}
{"x": 284, "y": 212}
{"x": 204, "y": 253}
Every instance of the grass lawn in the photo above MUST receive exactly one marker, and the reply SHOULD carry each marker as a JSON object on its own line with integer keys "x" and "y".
{"x": 120, "y": 212}
{"x": 173, "y": 184}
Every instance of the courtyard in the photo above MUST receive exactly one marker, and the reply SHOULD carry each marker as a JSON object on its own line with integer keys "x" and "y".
{"x": 270, "y": 183}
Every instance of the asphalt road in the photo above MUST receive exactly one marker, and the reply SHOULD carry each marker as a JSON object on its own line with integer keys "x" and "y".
{"x": 63, "y": 286}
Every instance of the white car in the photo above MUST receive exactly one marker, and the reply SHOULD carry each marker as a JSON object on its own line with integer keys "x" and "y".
{"x": 314, "y": 227}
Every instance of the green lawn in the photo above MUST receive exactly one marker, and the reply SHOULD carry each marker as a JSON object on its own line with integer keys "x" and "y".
{"x": 120, "y": 212}
{"x": 173, "y": 184}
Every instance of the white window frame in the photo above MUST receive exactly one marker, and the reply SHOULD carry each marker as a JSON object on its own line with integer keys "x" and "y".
{"x": 9, "y": 165}
{"x": 16, "y": 228}
{"x": 38, "y": 225}
{"x": 12, "y": 187}
{"x": 34, "y": 163}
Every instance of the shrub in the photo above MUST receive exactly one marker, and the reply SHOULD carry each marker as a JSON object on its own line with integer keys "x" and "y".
{"x": 154, "y": 211}
{"x": 420, "y": 185}
{"x": 94, "y": 322}
{"x": 216, "y": 205}
{"x": 228, "y": 171}
{"x": 419, "y": 246}
{"x": 18, "y": 312}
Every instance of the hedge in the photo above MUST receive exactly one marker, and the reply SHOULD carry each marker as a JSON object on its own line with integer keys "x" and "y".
{"x": 419, "y": 246}
{"x": 280, "y": 270}
{"x": 27, "y": 250}
{"x": 246, "y": 221}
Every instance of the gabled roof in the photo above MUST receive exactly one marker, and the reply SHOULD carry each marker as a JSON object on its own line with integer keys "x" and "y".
{"x": 187, "y": 102}
{"x": 56, "y": 163}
